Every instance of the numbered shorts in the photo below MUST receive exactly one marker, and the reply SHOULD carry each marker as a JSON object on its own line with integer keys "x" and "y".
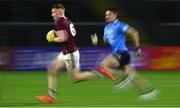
{"x": 71, "y": 59}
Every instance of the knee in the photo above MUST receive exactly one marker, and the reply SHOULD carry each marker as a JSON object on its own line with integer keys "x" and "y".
{"x": 104, "y": 65}
{"x": 52, "y": 69}
{"x": 128, "y": 71}
{"x": 75, "y": 78}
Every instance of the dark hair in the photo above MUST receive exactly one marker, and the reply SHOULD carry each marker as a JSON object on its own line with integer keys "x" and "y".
{"x": 114, "y": 10}
{"x": 58, "y": 6}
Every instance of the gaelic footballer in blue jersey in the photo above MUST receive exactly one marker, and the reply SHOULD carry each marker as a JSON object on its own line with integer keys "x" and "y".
{"x": 115, "y": 34}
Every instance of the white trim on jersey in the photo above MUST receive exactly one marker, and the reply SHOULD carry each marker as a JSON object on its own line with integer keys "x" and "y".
{"x": 125, "y": 28}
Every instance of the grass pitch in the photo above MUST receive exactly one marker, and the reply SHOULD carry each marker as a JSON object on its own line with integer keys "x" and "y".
{"x": 18, "y": 89}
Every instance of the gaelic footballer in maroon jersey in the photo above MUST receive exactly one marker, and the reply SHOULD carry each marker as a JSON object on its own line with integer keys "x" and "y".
{"x": 63, "y": 23}
{"x": 69, "y": 57}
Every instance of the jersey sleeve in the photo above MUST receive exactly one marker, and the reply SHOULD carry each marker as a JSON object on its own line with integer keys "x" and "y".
{"x": 61, "y": 25}
{"x": 124, "y": 27}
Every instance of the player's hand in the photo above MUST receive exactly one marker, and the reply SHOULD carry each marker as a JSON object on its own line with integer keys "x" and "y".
{"x": 94, "y": 39}
{"x": 50, "y": 36}
{"x": 138, "y": 52}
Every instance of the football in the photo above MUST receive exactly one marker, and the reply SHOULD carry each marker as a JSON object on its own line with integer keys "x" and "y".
{"x": 50, "y": 36}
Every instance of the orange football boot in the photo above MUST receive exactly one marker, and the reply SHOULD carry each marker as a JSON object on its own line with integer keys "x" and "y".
{"x": 45, "y": 99}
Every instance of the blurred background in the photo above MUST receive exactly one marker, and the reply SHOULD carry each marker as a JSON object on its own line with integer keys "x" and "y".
{"x": 25, "y": 52}
{"x": 24, "y": 23}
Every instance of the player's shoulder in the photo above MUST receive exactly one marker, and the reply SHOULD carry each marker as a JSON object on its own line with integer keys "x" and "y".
{"x": 121, "y": 23}
{"x": 62, "y": 21}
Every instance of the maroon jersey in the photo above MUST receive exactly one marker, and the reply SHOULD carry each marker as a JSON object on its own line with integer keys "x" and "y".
{"x": 65, "y": 24}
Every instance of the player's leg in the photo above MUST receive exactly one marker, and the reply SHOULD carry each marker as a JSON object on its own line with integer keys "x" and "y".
{"x": 142, "y": 85}
{"x": 106, "y": 66}
{"x": 145, "y": 89}
{"x": 73, "y": 67}
{"x": 109, "y": 62}
{"x": 124, "y": 60}
{"x": 53, "y": 69}
{"x": 76, "y": 75}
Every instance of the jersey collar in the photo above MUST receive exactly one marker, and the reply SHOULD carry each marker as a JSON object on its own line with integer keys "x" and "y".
{"x": 115, "y": 21}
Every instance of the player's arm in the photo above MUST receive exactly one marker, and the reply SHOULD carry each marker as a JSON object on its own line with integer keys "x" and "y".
{"x": 134, "y": 35}
{"x": 57, "y": 36}
{"x": 61, "y": 36}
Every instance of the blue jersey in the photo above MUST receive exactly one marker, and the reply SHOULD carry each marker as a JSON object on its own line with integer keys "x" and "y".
{"x": 115, "y": 35}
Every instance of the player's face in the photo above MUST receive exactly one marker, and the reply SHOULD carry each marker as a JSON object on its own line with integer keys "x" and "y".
{"x": 55, "y": 13}
{"x": 110, "y": 16}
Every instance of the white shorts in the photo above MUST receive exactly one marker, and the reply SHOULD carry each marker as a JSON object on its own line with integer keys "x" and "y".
{"x": 71, "y": 59}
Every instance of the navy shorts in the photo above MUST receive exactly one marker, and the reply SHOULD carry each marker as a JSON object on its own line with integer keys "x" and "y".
{"x": 123, "y": 58}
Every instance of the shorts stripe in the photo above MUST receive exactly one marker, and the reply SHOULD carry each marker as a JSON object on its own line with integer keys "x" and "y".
{"x": 72, "y": 60}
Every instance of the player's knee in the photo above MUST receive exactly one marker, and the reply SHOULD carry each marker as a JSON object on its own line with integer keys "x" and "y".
{"x": 104, "y": 65}
{"x": 128, "y": 71}
{"x": 52, "y": 69}
{"x": 76, "y": 78}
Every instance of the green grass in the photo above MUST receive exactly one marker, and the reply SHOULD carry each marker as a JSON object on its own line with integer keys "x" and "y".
{"x": 18, "y": 89}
